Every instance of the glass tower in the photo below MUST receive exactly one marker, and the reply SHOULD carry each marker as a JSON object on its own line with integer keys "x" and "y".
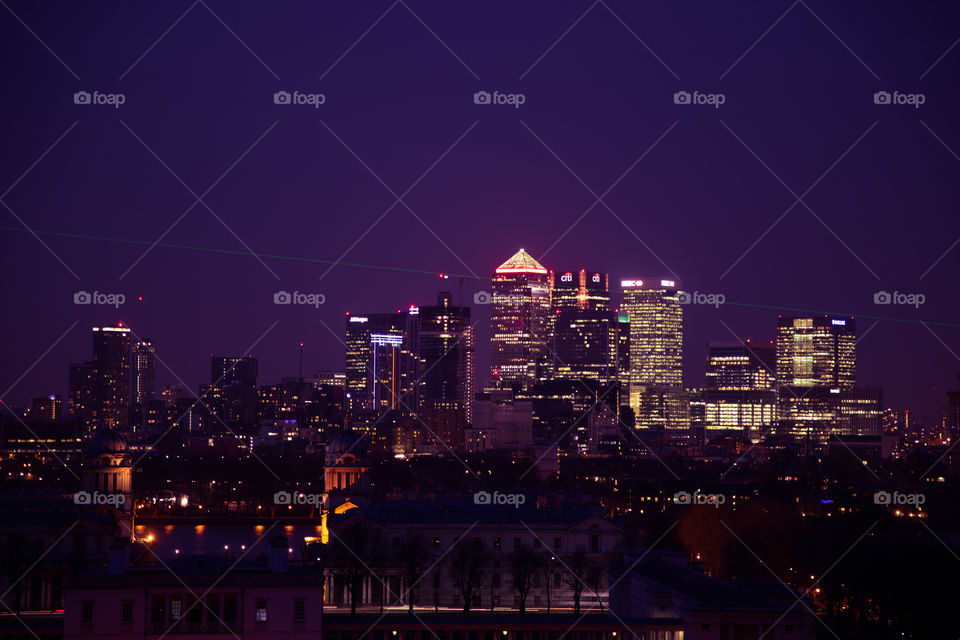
{"x": 519, "y": 322}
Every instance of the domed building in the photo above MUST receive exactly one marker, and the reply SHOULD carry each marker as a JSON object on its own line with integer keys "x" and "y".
{"x": 345, "y": 472}
{"x": 107, "y": 476}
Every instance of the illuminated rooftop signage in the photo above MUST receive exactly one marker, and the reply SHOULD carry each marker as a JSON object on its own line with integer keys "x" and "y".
{"x": 358, "y": 319}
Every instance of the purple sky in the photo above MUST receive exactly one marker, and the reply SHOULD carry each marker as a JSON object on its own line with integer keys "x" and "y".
{"x": 399, "y": 81}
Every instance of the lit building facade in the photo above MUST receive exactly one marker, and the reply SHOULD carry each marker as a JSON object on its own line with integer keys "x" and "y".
{"x": 381, "y": 362}
{"x": 519, "y": 322}
{"x": 861, "y": 411}
{"x": 591, "y": 345}
{"x": 111, "y": 376}
{"x": 656, "y": 335}
{"x": 816, "y": 352}
{"x": 741, "y": 366}
{"x": 143, "y": 387}
{"x": 740, "y": 397}
{"x": 80, "y": 397}
{"x": 816, "y": 364}
{"x": 446, "y": 347}
{"x": 579, "y": 291}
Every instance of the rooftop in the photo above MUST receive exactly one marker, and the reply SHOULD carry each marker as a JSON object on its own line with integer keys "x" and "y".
{"x": 521, "y": 262}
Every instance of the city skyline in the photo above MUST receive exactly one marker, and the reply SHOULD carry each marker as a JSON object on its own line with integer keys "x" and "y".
{"x": 699, "y": 194}
{"x": 693, "y": 377}
{"x": 604, "y": 319}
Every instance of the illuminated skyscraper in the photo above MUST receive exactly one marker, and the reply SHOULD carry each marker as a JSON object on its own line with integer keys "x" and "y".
{"x": 81, "y": 398}
{"x": 740, "y": 397}
{"x": 381, "y": 366}
{"x": 111, "y": 377}
{"x": 741, "y": 366}
{"x": 579, "y": 291}
{"x": 519, "y": 322}
{"x": 816, "y": 366}
{"x": 591, "y": 345}
{"x": 816, "y": 352}
{"x": 144, "y": 378}
{"x": 656, "y": 333}
{"x": 446, "y": 348}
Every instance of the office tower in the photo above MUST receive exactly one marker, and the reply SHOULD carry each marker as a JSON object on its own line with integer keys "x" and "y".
{"x": 741, "y": 366}
{"x": 111, "y": 376}
{"x": 48, "y": 408}
{"x": 740, "y": 396}
{"x": 656, "y": 344}
{"x": 519, "y": 322}
{"x": 656, "y": 332}
{"x": 861, "y": 411}
{"x": 816, "y": 363}
{"x": 143, "y": 387}
{"x": 329, "y": 378}
{"x": 446, "y": 350}
{"x": 381, "y": 365}
{"x": 588, "y": 344}
{"x": 80, "y": 397}
{"x": 579, "y": 291}
{"x": 232, "y": 392}
{"x": 816, "y": 352}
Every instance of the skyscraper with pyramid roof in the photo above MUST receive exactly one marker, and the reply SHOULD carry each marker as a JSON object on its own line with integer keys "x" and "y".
{"x": 519, "y": 322}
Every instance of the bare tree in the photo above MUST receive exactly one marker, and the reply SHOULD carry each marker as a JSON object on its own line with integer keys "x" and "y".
{"x": 525, "y": 565}
{"x": 413, "y": 556}
{"x": 578, "y": 566}
{"x": 468, "y": 565}
{"x": 354, "y": 550}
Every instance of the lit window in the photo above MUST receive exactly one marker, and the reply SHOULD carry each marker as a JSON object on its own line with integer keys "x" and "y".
{"x": 261, "y": 615}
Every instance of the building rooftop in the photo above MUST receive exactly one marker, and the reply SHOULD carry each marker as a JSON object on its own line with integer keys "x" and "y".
{"x": 710, "y": 593}
{"x": 521, "y": 262}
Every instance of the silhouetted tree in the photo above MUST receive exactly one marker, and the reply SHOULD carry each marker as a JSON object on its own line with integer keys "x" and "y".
{"x": 525, "y": 565}
{"x": 413, "y": 557}
{"x": 468, "y": 567}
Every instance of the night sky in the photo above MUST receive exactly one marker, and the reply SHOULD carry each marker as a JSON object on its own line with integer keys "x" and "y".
{"x": 687, "y": 190}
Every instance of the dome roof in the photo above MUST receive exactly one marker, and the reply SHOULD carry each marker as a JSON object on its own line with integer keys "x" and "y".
{"x": 106, "y": 441}
{"x": 342, "y": 442}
